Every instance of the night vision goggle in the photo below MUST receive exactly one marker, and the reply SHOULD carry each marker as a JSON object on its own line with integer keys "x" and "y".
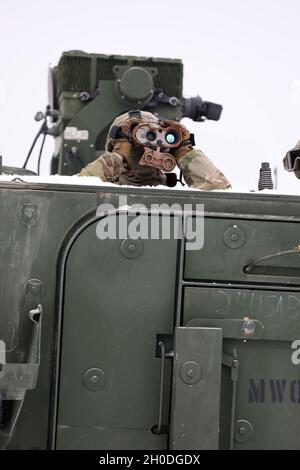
{"x": 157, "y": 142}
{"x": 152, "y": 134}
{"x": 157, "y": 138}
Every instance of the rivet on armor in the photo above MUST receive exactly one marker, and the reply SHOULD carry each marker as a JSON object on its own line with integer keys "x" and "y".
{"x": 28, "y": 214}
{"x": 248, "y": 327}
{"x": 243, "y": 431}
{"x": 34, "y": 287}
{"x": 94, "y": 379}
{"x": 234, "y": 237}
{"x": 190, "y": 372}
{"x": 131, "y": 248}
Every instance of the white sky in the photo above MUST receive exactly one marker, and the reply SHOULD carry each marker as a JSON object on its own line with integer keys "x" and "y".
{"x": 242, "y": 54}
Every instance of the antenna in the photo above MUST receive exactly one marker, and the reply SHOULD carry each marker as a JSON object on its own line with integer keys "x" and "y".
{"x": 275, "y": 177}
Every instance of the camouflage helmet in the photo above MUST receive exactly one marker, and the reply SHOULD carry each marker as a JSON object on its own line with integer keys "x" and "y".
{"x": 123, "y": 124}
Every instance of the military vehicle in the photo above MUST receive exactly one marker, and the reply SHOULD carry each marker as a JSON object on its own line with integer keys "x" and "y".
{"x": 135, "y": 342}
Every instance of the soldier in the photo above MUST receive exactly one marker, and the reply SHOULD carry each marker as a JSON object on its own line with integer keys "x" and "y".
{"x": 291, "y": 161}
{"x": 140, "y": 158}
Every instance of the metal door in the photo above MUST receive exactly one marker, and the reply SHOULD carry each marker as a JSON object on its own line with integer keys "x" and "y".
{"x": 118, "y": 295}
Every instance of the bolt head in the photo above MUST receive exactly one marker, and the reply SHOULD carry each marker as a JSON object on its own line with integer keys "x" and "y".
{"x": 190, "y": 373}
{"x": 248, "y": 327}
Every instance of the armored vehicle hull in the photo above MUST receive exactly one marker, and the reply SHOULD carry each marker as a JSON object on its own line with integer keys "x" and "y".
{"x": 131, "y": 342}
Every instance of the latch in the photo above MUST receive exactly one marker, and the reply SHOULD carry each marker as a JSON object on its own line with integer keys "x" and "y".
{"x": 235, "y": 328}
{"x": 234, "y": 364}
{"x": 164, "y": 350}
{"x": 17, "y": 378}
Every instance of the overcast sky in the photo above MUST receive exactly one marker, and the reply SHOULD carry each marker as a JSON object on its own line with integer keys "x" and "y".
{"x": 242, "y": 54}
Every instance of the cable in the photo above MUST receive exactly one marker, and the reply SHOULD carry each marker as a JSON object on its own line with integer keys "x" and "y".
{"x": 40, "y": 154}
{"x": 41, "y": 131}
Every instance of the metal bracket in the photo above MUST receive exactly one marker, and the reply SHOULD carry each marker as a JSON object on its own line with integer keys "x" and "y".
{"x": 245, "y": 328}
{"x": 235, "y": 328}
{"x": 196, "y": 388}
{"x": 233, "y": 363}
{"x": 16, "y": 379}
{"x": 168, "y": 340}
{"x": 164, "y": 350}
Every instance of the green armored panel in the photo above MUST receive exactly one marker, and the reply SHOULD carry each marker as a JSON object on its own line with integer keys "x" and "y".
{"x": 247, "y": 251}
{"x": 116, "y": 301}
{"x": 107, "y": 305}
{"x": 35, "y": 222}
{"x": 268, "y": 390}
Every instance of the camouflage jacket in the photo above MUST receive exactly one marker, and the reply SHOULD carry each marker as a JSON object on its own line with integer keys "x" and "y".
{"x": 198, "y": 171}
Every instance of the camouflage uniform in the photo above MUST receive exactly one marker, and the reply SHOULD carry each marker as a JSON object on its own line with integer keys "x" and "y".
{"x": 198, "y": 171}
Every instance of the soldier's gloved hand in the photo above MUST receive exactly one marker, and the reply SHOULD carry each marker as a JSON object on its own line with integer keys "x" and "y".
{"x": 186, "y": 145}
{"x": 187, "y": 139}
{"x": 123, "y": 147}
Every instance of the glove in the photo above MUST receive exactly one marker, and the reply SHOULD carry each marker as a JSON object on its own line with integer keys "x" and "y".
{"x": 187, "y": 139}
{"x": 122, "y": 147}
{"x": 125, "y": 150}
{"x": 186, "y": 145}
